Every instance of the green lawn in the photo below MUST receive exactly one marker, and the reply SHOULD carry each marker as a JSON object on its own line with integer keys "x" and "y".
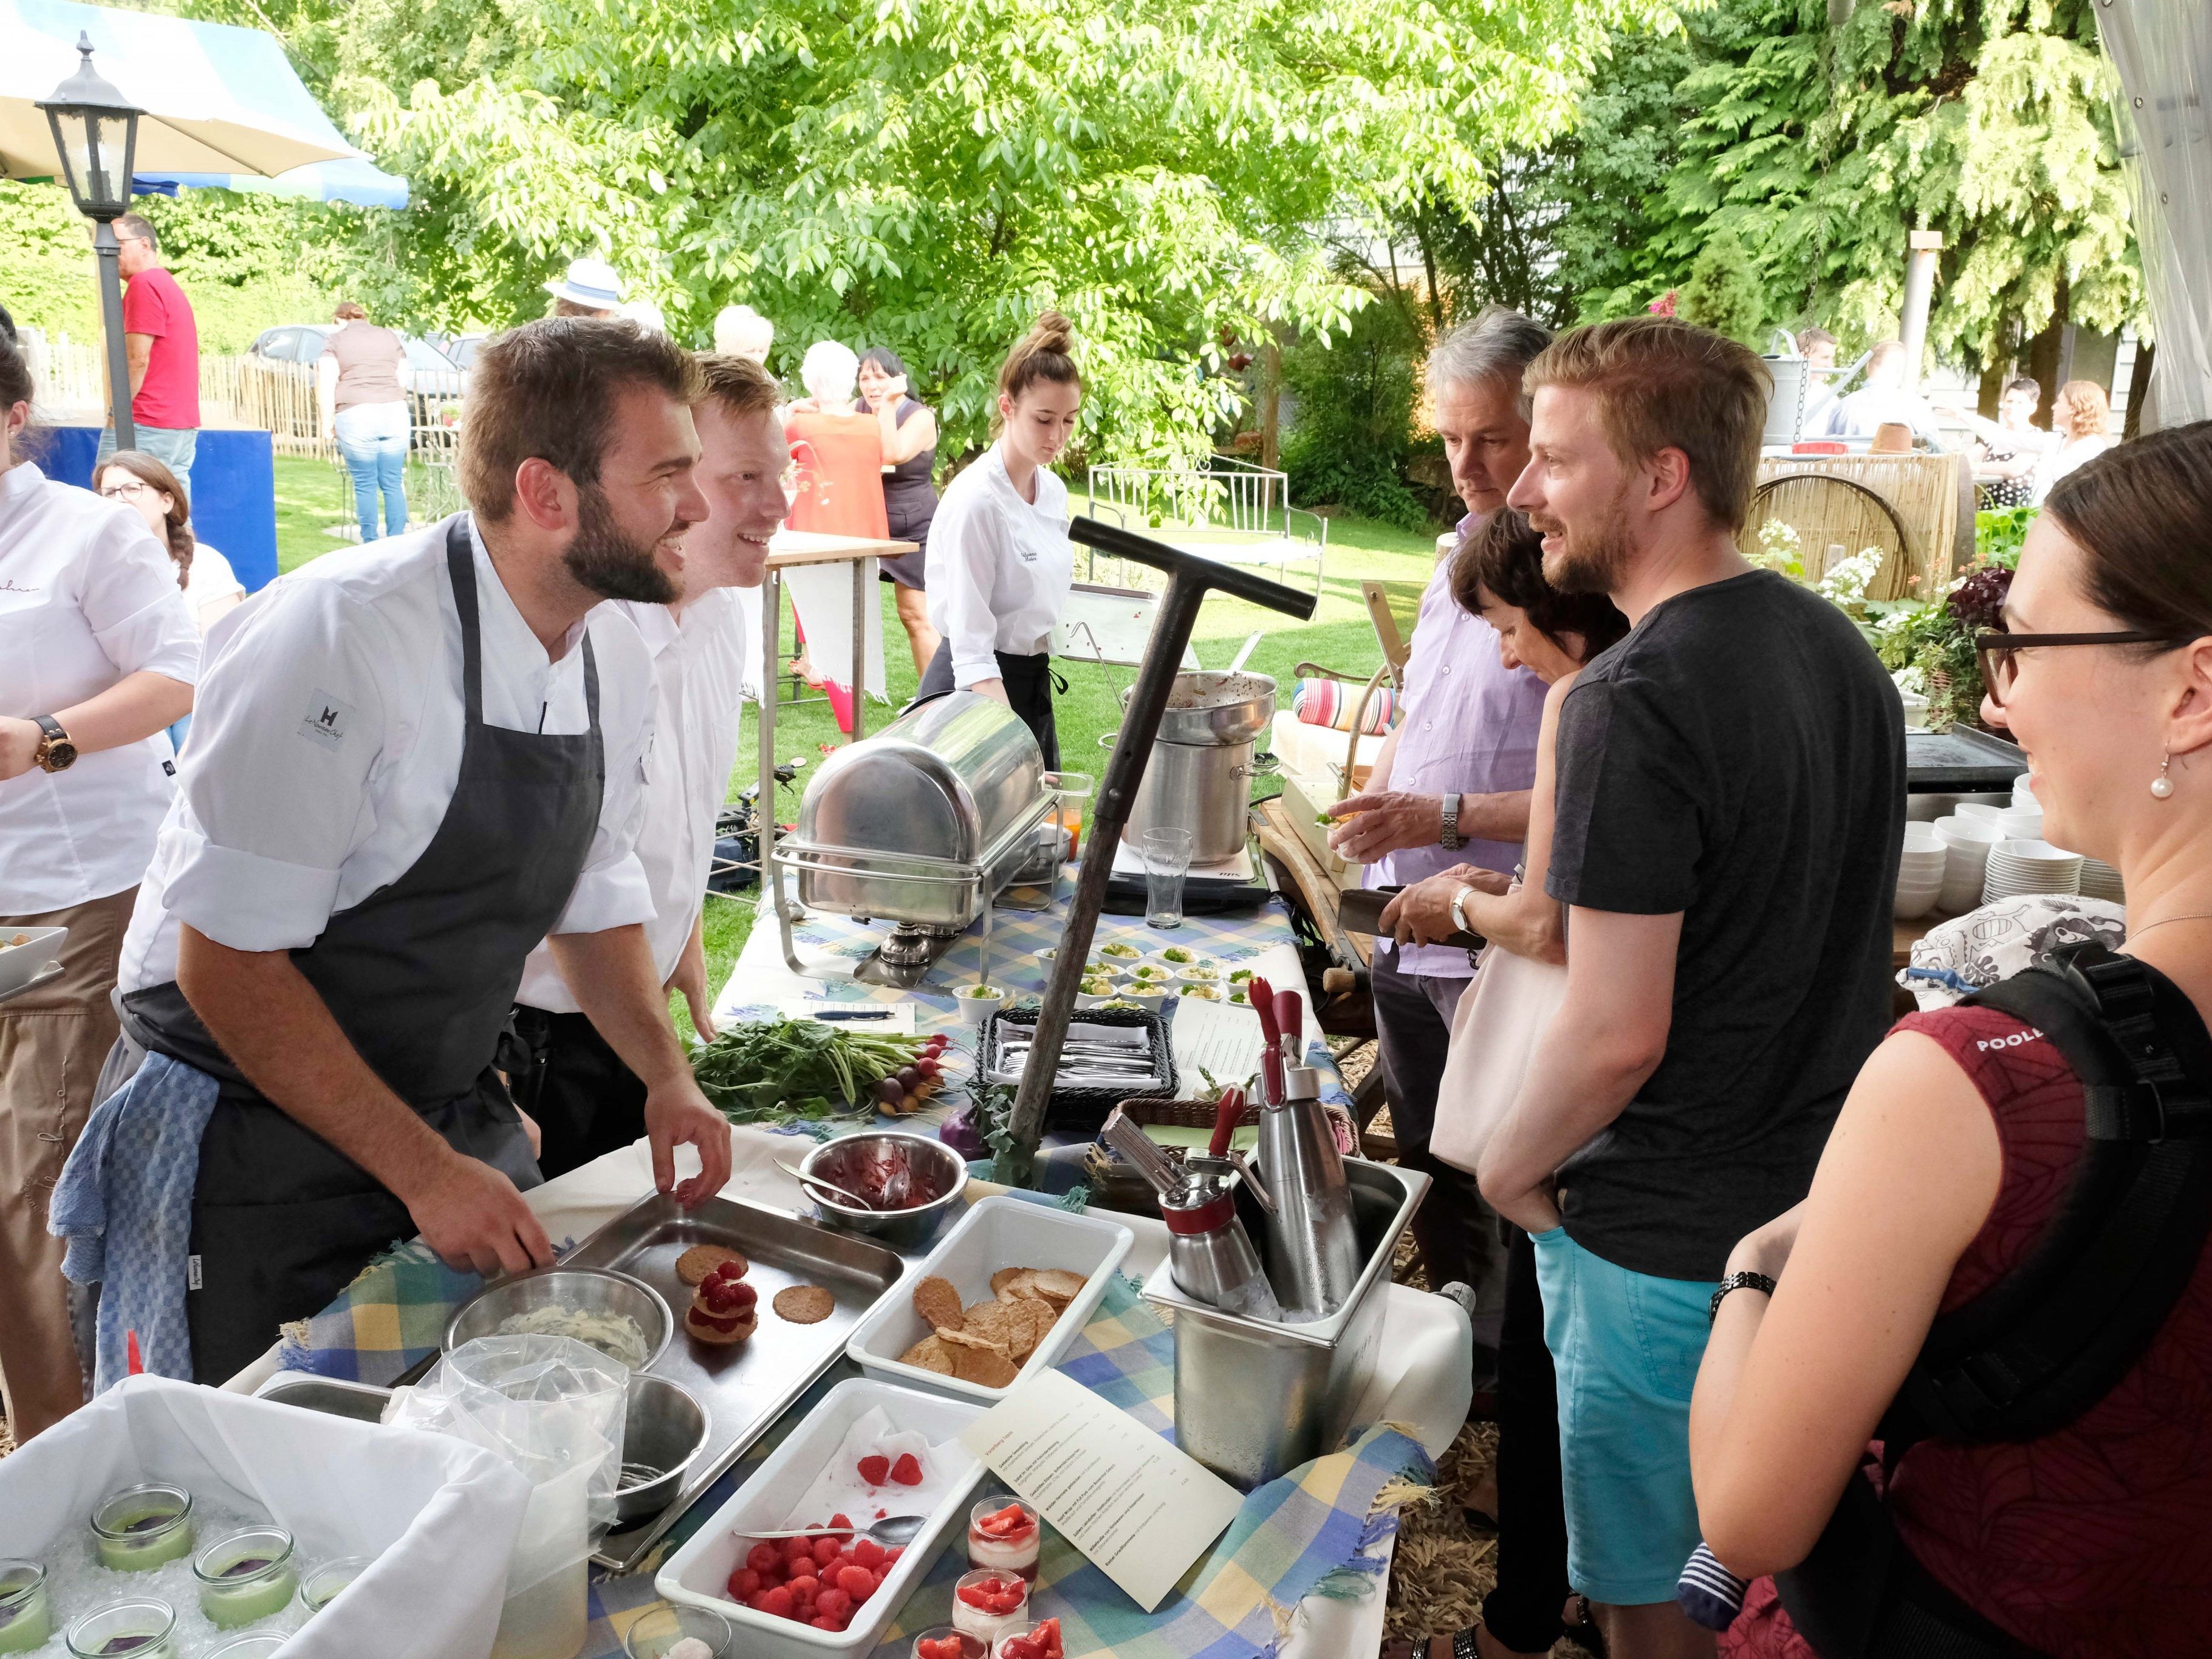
{"x": 312, "y": 497}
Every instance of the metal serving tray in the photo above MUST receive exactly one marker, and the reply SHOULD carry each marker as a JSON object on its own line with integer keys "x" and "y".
{"x": 746, "y": 1387}
{"x": 1960, "y": 761}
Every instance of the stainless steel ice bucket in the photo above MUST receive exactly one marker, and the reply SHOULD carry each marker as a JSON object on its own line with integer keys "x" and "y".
{"x": 925, "y": 821}
{"x": 1254, "y": 1398}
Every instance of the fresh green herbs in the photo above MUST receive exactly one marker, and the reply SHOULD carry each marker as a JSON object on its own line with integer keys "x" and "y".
{"x": 779, "y": 1068}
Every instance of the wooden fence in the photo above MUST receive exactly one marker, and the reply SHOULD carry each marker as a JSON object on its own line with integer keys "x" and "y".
{"x": 240, "y": 391}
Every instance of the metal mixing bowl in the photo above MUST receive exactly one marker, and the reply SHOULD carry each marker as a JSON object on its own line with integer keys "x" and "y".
{"x": 928, "y": 1157}
{"x": 664, "y": 1426}
{"x": 600, "y": 1289}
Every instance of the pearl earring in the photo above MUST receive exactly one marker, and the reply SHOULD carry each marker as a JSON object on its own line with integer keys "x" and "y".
{"x": 2162, "y": 786}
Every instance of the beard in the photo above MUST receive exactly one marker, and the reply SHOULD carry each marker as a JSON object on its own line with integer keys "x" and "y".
{"x": 608, "y": 561}
{"x": 1592, "y": 561}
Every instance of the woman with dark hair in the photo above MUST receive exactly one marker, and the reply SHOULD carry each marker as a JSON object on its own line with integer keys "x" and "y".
{"x": 1966, "y": 1148}
{"x": 1000, "y": 563}
{"x": 97, "y": 655}
{"x": 910, "y": 433}
{"x": 1499, "y": 575}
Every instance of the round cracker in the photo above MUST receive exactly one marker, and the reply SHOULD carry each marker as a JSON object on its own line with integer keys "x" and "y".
{"x": 696, "y": 1263}
{"x": 995, "y": 1321}
{"x": 804, "y": 1304}
{"x": 983, "y": 1364}
{"x": 930, "y": 1355}
{"x": 938, "y": 1303}
{"x": 1058, "y": 1286}
{"x": 1042, "y": 1317}
{"x": 1004, "y": 1277}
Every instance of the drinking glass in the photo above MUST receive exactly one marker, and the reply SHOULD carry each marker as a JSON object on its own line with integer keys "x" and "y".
{"x": 1167, "y": 861}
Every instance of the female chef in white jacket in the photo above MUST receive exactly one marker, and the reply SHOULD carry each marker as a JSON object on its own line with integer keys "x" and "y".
{"x": 98, "y": 653}
{"x": 999, "y": 561}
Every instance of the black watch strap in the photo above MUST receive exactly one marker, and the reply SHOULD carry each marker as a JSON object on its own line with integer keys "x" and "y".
{"x": 51, "y": 726}
{"x": 1736, "y": 1282}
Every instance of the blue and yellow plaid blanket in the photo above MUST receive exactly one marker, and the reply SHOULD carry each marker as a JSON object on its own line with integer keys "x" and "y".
{"x": 1315, "y": 1531}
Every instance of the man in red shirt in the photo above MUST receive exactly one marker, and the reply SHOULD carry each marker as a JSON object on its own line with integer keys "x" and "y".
{"x": 163, "y": 344}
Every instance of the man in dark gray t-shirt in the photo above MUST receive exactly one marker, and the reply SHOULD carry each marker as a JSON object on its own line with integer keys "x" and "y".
{"x": 1730, "y": 802}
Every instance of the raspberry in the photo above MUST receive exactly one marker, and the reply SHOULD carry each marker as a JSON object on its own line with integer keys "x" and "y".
{"x": 827, "y": 1550}
{"x": 856, "y": 1582}
{"x": 764, "y": 1558}
{"x": 745, "y": 1584}
{"x": 866, "y": 1553}
{"x": 841, "y": 1521}
{"x": 777, "y": 1601}
{"x": 833, "y": 1603}
{"x": 908, "y": 1470}
{"x": 874, "y": 1468}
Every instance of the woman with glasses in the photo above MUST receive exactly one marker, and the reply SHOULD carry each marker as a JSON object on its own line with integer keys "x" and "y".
{"x": 98, "y": 653}
{"x": 146, "y": 486}
{"x": 1954, "y": 1160}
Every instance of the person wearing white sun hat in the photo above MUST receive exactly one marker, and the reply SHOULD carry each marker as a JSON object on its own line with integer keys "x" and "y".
{"x": 592, "y": 287}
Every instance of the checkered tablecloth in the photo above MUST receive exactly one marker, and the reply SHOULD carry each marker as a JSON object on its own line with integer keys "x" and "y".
{"x": 1315, "y": 1531}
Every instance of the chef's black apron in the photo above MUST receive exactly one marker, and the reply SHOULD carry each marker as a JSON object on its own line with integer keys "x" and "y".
{"x": 420, "y": 976}
{"x": 1029, "y": 692}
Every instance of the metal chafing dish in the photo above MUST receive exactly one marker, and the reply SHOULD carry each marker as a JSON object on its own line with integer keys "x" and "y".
{"x": 921, "y": 825}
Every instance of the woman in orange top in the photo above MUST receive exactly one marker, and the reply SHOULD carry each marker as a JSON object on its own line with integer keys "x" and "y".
{"x": 839, "y": 451}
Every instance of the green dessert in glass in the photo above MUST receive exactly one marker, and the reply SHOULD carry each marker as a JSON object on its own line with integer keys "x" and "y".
{"x": 322, "y": 1583}
{"x": 144, "y": 1630}
{"x": 141, "y": 1528}
{"x": 27, "y": 1619}
{"x": 246, "y": 1576}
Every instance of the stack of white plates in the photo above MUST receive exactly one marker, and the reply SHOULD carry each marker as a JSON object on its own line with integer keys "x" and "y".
{"x": 2023, "y": 823}
{"x": 2023, "y": 792}
{"x": 2030, "y": 866}
{"x": 1920, "y": 869}
{"x": 2101, "y": 880}
{"x": 1966, "y": 843}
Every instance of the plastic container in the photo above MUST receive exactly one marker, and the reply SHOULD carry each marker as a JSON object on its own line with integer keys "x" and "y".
{"x": 698, "y": 1574}
{"x": 996, "y": 1233}
{"x": 144, "y": 1527}
{"x": 246, "y": 1576}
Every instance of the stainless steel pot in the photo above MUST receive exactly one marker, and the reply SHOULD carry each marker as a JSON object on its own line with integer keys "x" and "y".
{"x": 1198, "y": 776}
{"x": 924, "y": 822}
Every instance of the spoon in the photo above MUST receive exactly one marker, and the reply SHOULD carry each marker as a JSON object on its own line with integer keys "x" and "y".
{"x": 890, "y": 1532}
{"x": 843, "y": 1197}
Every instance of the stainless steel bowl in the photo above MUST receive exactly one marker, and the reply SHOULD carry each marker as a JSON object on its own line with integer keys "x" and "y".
{"x": 600, "y": 1289}
{"x": 664, "y": 1426}
{"x": 1213, "y": 706}
{"x": 929, "y": 1159}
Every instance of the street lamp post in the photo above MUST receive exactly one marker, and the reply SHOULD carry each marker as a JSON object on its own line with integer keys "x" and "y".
{"x": 95, "y": 130}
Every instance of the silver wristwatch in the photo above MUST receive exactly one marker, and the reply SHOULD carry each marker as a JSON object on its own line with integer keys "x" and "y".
{"x": 1451, "y": 836}
{"x": 1458, "y": 916}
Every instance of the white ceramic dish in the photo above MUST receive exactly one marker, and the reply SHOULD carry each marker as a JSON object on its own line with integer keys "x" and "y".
{"x": 1964, "y": 831}
{"x": 1911, "y": 906}
{"x": 698, "y": 1574}
{"x": 21, "y": 963}
{"x": 974, "y": 1011}
{"x": 996, "y": 1233}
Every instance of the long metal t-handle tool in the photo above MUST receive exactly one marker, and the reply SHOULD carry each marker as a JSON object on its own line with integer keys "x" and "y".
{"x": 1190, "y": 578}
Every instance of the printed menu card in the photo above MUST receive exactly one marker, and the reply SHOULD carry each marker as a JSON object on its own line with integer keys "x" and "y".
{"x": 1139, "y": 1511}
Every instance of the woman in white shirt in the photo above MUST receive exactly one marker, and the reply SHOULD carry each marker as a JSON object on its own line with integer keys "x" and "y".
{"x": 145, "y": 484}
{"x": 999, "y": 561}
{"x": 2081, "y": 419}
{"x": 97, "y": 654}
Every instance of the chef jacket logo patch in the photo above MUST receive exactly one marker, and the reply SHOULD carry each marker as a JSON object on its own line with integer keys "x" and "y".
{"x": 326, "y": 720}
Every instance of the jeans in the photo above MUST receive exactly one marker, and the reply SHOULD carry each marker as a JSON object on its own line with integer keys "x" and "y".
{"x": 373, "y": 439}
{"x": 173, "y": 446}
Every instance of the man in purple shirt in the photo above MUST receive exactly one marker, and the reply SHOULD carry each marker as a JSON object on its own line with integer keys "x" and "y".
{"x": 1450, "y": 786}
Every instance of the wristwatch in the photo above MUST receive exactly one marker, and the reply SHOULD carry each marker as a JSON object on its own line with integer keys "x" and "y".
{"x": 55, "y": 752}
{"x": 1746, "y": 1281}
{"x": 1452, "y": 839}
{"x": 1459, "y": 916}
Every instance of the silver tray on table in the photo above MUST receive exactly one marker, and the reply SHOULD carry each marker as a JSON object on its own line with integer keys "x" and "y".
{"x": 746, "y": 1387}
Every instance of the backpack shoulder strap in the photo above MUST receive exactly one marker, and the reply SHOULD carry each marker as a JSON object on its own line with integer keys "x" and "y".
{"x": 2050, "y": 1338}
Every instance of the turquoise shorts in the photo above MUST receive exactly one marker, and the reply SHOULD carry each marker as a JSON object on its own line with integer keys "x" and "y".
{"x": 1626, "y": 1347}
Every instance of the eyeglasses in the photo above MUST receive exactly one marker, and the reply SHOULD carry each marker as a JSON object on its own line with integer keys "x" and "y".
{"x": 130, "y": 491}
{"x": 1994, "y": 652}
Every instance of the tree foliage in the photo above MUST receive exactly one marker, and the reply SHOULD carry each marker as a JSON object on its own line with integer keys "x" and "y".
{"x": 1818, "y": 148}
{"x": 929, "y": 173}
